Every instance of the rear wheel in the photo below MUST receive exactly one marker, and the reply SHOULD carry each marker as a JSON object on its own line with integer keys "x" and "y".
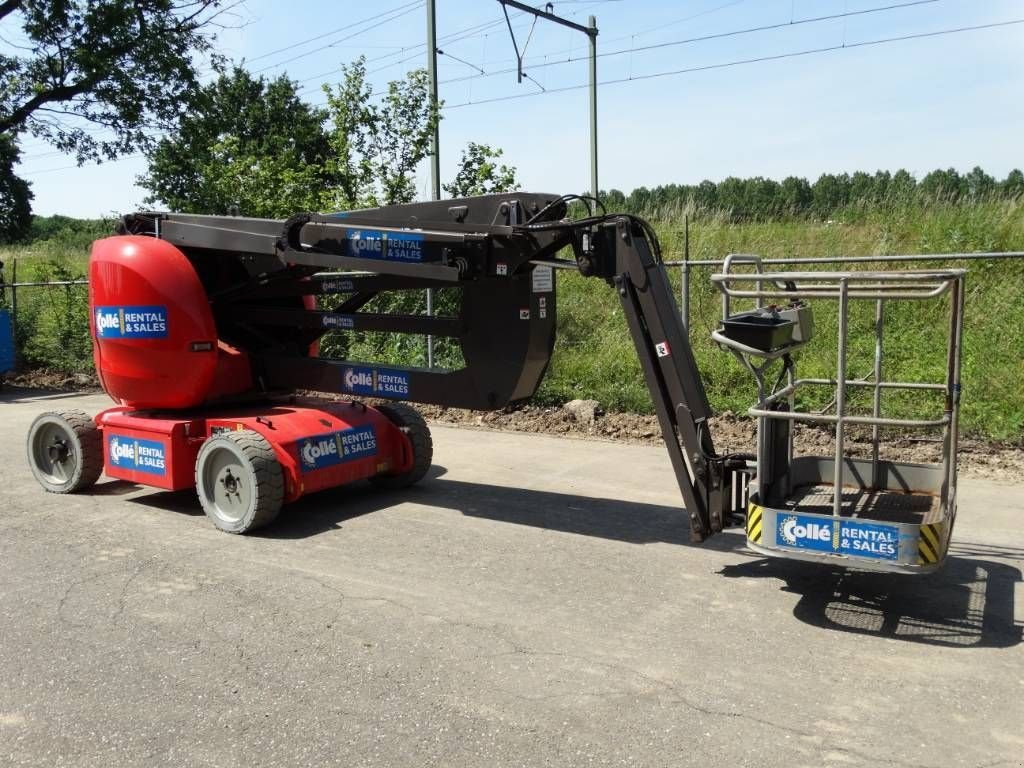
{"x": 239, "y": 481}
{"x": 409, "y": 421}
{"x": 65, "y": 451}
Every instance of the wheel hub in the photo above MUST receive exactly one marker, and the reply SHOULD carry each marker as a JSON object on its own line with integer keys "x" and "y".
{"x": 58, "y": 451}
{"x": 230, "y": 483}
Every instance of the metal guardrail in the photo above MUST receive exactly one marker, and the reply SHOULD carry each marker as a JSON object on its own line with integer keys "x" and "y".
{"x": 685, "y": 265}
{"x": 15, "y": 285}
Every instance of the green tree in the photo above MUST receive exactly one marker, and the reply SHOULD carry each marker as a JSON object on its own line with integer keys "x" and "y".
{"x": 795, "y": 195}
{"x": 902, "y": 187}
{"x": 247, "y": 142}
{"x": 1013, "y": 185}
{"x": 941, "y": 186}
{"x": 376, "y": 145}
{"x": 480, "y": 174}
{"x": 732, "y": 193}
{"x": 978, "y": 184}
{"x": 705, "y": 196}
{"x": 15, "y": 195}
{"x": 831, "y": 193}
{"x": 122, "y": 66}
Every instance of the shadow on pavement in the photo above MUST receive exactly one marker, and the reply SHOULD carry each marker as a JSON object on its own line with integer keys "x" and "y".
{"x": 184, "y": 502}
{"x": 10, "y": 393}
{"x": 967, "y": 604}
{"x": 616, "y": 519}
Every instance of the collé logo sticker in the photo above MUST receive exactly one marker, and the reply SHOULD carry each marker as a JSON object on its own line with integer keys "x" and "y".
{"x": 801, "y": 532}
{"x": 145, "y": 322}
{"x": 337, "y": 286}
{"x": 849, "y": 537}
{"x": 334, "y": 448}
{"x": 396, "y": 246}
{"x": 338, "y": 321}
{"x": 376, "y": 381}
{"x": 140, "y": 455}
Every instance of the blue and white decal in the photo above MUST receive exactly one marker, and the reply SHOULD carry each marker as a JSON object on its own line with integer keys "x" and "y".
{"x": 396, "y": 246}
{"x": 335, "y": 448}
{"x": 337, "y": 286}
{"x": 338, "y": 321}
{"x": 375, "y": 381}
{"x": 148, "y": 322}
{"x": 869, "y": 540}
{"x": 849, "y": 537}
{"x": 802, "y": 532}
{"x": 140, "y": 455}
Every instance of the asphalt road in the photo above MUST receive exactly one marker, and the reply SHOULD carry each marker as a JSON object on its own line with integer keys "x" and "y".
{"x": 534, "y": 603}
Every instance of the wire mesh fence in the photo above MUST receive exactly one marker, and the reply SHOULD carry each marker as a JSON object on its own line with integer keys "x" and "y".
{"x": 47, "y": 301}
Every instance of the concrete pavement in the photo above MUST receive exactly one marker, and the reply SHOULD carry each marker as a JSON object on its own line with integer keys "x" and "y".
{"x": 535, "y": 602}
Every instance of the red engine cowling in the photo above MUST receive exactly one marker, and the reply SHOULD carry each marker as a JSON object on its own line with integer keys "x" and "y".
{"x": 154, "y": 338}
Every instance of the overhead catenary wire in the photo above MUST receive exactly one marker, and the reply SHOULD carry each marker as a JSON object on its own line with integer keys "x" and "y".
{"x": 349, "y": 25}
{"x": 701, "y": 38}
{"x": 739, "y": 62}
{"x": 686, "y": 70}
{"x": 395, "y": 16}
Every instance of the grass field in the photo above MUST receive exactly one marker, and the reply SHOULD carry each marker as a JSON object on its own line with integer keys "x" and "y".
{"x": 595, "y": 358}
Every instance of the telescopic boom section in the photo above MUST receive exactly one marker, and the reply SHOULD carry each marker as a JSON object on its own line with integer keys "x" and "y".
{"x": 624, "y": 251}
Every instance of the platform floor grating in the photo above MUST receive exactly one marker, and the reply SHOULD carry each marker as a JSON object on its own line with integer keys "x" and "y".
{"x": 884, "y": 506}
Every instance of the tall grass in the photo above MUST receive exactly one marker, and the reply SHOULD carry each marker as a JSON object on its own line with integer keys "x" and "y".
{"x": 594, "y": 356}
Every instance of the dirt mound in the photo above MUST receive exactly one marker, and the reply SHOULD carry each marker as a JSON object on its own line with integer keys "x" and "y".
{"x": 61, "y": 381}
{"x": 734, "y": 433}
{"x": 731, "y": 433}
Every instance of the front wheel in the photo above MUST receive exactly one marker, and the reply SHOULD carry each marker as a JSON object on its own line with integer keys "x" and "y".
{"x": 239, "y": 481}
{"x": 411, "y": 423}
{"x": 65, "y": 451}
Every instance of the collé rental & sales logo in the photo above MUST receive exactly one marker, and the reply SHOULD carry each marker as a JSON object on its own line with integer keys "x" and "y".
{"x": 141, "y": 455}
{"x": 138, "y": 322}
{"x": 333, "y": 448}
{"x": 845, "y": 537}
{"x": 375, "y": 381}
{"x": 394, "y": 246}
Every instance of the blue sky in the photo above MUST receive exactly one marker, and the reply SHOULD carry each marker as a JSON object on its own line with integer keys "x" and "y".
{"x": 943, "y": 101}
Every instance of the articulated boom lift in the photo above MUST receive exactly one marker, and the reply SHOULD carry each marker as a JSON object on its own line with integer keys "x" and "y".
{"x": 204, "y": 327}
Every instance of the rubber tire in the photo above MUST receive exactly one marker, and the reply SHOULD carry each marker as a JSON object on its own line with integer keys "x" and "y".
{"x": 409, "y": 421}
{"x": 86, "y": 447}
{"x": 259, "y": 468}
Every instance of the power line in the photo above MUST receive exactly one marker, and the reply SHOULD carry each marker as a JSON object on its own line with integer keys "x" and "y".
{"x": 394, "y": 17}
{"x": 70, "y": 167}
{"x": 332, "y": 32}
{"x": 738, "y": 62}
{"x": 467, "y": 33}
{"x": 451, "y": 37}
{"x": 703, "y": 38}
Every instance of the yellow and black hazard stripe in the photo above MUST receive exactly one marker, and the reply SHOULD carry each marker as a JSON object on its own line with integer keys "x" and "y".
{"x": 929, "y": 545}
{"x": 754, "y": 521}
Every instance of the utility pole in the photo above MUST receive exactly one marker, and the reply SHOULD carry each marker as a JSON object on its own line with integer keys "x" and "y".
{"x": 435, "y": 150}
{"x": 435, "y": 153}
{"x": 591, "y": 32}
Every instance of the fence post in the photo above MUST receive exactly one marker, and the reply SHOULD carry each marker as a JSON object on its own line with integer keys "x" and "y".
{"x": 684, "y": 289}
{"x": 14, "y": 307}
{"x": 430, "y": 337}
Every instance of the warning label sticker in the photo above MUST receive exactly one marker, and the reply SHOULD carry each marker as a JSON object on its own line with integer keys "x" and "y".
{"x": 543, "y": 280}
